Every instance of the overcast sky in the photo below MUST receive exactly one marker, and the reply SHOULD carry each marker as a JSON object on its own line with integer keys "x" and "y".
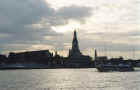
{"x": 110, "y": 26}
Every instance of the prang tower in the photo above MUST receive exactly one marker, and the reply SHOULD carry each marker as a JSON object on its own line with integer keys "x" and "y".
{"x": 75, "y": 51}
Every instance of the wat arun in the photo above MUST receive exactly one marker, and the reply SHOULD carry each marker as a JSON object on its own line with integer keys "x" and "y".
{"x": 75, "y": 51}
{"x": 75, "y": 57}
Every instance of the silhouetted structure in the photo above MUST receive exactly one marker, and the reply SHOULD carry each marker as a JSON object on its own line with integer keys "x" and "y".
{"x": 58, "y": 61}
{"x": 45, "y": 59}
{"x": 95, "y": 56}
{"x": 42, "y": 56}
{"x": 3, "y": 59}
{"x": 75, "y": 51}
{"x": 75, "y": 58}
{"x": 114, "y": 61}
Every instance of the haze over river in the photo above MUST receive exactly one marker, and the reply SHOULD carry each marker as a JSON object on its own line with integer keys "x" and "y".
{"x": 68, "y": 79}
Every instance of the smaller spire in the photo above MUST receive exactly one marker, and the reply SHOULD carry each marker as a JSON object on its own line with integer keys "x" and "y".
{"x": 55, "y": 53}
{"x": 95, "y": 54}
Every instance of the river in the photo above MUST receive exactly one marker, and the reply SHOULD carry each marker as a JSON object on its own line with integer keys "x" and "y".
{"x": 68, "y": 79}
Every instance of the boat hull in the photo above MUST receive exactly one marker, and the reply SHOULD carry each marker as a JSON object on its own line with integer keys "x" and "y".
{"x": 114, "y": 68}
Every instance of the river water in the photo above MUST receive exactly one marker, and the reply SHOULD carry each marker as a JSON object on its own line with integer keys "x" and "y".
{"x": 68, "y": 79}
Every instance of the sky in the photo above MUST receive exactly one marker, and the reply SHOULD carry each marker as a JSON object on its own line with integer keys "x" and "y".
{"x": 110, "y": 26}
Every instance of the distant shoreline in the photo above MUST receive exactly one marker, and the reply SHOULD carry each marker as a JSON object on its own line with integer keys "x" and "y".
{"x": 39, "y": 66}
{"x": 15, "y": 68}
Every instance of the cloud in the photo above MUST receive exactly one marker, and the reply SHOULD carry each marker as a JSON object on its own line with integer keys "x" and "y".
{"x": 41, "y": 47}
{"x": 74, "y": 12}
{"x": 113, "y": 41}
{"x": 27, "y": 22}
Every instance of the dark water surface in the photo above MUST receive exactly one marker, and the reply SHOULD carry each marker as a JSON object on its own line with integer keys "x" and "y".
{"x": 68, "y": 79}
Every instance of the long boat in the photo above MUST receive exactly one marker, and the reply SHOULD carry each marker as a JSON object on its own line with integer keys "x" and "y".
{"x": 106, "y": 68}
{"x": 101, "y": 67}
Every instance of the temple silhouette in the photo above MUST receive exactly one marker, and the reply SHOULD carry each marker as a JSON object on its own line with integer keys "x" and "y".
{"x": 43, "y": 59}
{"x": 75, "y": 57}
{"x": 75, "y": 51}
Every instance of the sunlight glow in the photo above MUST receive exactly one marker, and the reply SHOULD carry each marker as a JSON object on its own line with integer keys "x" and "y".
{"x": 66, "y": 28}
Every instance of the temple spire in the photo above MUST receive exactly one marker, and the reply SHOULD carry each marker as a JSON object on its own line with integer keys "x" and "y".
{"x": 75, "y": 46}
{"x": 75, "y": 35}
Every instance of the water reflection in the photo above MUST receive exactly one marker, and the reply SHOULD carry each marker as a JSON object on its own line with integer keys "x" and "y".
{"x": 68, "y": 79}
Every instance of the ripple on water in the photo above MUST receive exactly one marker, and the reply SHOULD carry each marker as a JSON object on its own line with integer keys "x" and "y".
{"x": 68, "y": 79}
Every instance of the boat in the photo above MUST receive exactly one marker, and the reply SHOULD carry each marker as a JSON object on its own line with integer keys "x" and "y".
{"x": 120, "y": 67}
{"x": 103, "y": 64}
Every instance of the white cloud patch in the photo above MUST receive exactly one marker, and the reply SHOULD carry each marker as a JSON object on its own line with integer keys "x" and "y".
{"x": 41, "y": 47}
{"x": 49, "y": 24}
{"x": 28, "y": 23}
